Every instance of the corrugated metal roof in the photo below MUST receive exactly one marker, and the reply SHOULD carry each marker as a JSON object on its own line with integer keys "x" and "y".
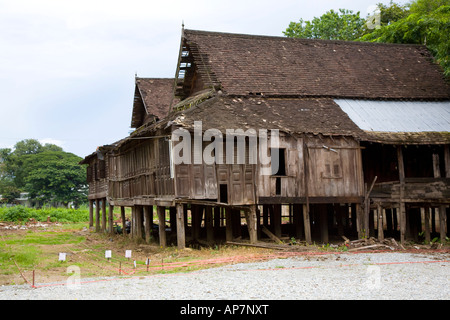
{"x": 398, "y": 116}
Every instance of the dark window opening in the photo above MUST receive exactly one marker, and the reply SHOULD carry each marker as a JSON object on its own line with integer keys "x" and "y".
{"x": 223, "y": 193}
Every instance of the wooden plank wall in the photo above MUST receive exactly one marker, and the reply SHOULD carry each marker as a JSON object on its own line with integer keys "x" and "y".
{"x": 141, "y": 171}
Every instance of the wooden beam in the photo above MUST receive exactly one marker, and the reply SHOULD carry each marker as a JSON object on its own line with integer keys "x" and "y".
{"x": 161, "y": 211}
{"x": 111, "y": 219}
{"x": 181, "y": 242}
{"x": 97, "y": 215}
{"x": 442, "y": 222}
{"x": 276, "y": 220}
{"x": 402, "y": 209}
{"x": 148, "y": 215}
{"x": 124, "y": 223}
{"x": 271, "y": 235}
{"x": 91, "y": 213}
{"x": 104, "y": 214}
{"x": 209, "y": 225}
{"x": 307, "y": 224}
{"x": 427, "y": 224}
{"x": 228, "y": 225}
{"x": 250, "y": 216}
{"x": 380, "y": 222}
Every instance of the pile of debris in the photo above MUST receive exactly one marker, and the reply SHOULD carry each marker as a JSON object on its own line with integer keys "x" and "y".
{"x": 372, "y": 244}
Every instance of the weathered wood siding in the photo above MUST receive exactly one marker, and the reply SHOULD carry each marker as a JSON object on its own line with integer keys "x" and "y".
{"x": 142, "y": 171}
{"x": 97, "y": 177}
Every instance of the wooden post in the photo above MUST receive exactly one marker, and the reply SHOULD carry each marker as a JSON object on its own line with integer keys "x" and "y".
{"x": 306, "y": 223}
{"x": 209, "y": 224}
{"x": 139, "y": 221}
{"x": 442, "y": 222}
{"x": 380, "y": 222}
{"x": 277, "y": 220}
{"x": 97, "y": 215}
{"x": 427, "y": 224}
{"x": 148, "y": 217}
{"x": 104, "y": 214}
{"x": 91, "y": 213}
{"x": 133, "y": 222}
{"x": 250, "y": 216}
{"x": 228, "y": 224}
{"x": 111, "y": 219}
{"x": 124, "y": 223}
{"x": 181, "y": 242}
{"x": 389, "y": 232}
{"x": 162, "y": 225}
{"x": 402, "y": 209}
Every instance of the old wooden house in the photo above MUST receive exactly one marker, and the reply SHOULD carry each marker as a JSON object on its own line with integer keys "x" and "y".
{"x": 262, "y": 136}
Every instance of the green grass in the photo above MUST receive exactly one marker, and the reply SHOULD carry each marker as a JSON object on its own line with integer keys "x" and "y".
{"x": 24, "y": 214}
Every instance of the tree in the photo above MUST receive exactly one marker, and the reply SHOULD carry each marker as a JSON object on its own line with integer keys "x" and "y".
{"x": 55, "y": 176}
{"x": 424, "y": 22}
{"x": 342, "y": 25}
{"x": 428, "y": 23}
{"x": 46, "y": 172}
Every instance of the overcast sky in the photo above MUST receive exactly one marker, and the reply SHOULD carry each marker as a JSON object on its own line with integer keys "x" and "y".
{"x": 67, "y": 68}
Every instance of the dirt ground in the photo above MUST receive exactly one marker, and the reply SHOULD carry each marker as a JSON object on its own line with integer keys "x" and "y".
{"x": 89, "y": 255}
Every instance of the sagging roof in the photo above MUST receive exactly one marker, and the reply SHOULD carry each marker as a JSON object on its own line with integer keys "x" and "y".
{"x": 241, "y": 64}
{"x": 152, "y": 99}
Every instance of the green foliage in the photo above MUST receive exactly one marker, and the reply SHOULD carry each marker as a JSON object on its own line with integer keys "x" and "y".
{"x": 428, "y": 23}
{"x": 46, "y": 172}
{"x": 419, "y": 22}
{"x": 342, "y": 25}
{"x": 23, "y": 214}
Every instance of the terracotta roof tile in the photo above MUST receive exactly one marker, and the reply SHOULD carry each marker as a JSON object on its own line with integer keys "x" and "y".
{"x": 246, "y": 64}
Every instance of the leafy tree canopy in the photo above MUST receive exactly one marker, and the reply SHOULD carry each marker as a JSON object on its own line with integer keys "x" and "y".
{"x": 46, "y": 172}
{"x": 418, "y": 22}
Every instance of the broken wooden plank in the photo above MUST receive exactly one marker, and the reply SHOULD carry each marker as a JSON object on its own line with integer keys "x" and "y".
{"x": 271, "y": 235}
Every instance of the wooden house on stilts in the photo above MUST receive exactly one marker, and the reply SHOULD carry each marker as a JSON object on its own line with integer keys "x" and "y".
{"x": 260, "y": 135}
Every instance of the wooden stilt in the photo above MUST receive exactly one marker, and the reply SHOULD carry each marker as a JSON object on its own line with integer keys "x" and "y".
{"x": 124, "y": 222}
{"x": 380, "y": 222}
{"x": 181, "y": 242}
{"x": 442, "y": 222}
{"x": 209, "y": 224}
{"x": 148, "y": 217}
{"x": 228, "y": 224}
{"x": 91, "y": 213}
{"x": 162, "y": 225}
{"x": 250, "y": 216}
{"x": 306, "y": 223}
{"x": 427, "y": 224}
{"x": 97, "y": 215}
{"x": 402, "y": 208}
{"x": 104, "y": 214}
{"x": 111, "y": 219}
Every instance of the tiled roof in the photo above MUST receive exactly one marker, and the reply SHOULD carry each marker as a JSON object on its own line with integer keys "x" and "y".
{"x": 279, "y": 66}
{"x": 154, "y": 94}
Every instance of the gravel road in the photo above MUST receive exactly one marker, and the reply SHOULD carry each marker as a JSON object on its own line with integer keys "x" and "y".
{"x": 332, "y": 276}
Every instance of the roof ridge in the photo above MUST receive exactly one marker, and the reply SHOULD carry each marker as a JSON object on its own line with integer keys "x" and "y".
{"x": 281, "y": 38}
